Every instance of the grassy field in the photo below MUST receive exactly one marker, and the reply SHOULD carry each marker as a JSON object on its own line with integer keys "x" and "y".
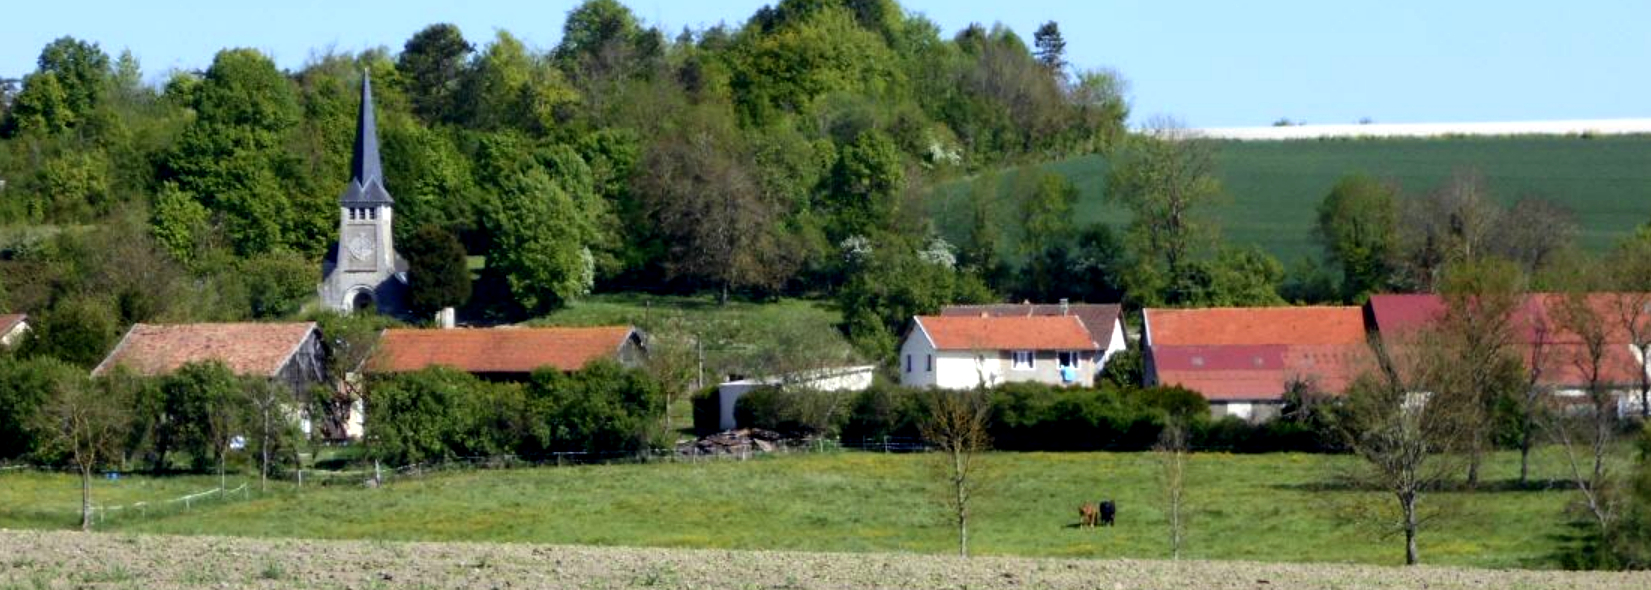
{"x": 1245, "y": 507}
{"x": 1274, "y": 186}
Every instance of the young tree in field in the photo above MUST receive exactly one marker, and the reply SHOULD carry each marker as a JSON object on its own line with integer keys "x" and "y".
{"x": 86, "y": 421}
{"x": 957, "y": 427}
{"x": 1171, "y": 452}
{"x": 1589, "y": 436}
{"x": 1479, "y": 328}
{"x": 268, "y": 422}
{"x": 1358, "y": 227}
{"x": 1407, "y": 437}
{"x": 1533, "y": 403}
{"x": 1166, "y": 179}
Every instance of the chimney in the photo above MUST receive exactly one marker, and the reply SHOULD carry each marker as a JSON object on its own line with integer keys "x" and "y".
{"x": 1064, "y": 306}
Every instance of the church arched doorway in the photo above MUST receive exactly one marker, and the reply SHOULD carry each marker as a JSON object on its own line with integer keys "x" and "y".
{"x": 361, "y": 301}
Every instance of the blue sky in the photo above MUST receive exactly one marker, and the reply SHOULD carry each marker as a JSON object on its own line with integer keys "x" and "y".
{"x": 1213, "y": 63}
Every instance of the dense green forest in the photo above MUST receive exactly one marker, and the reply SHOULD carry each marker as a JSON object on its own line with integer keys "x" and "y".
{"x": 731, "y": 160}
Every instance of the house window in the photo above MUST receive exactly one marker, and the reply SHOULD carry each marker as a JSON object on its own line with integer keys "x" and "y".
{"x": 1068, "y": 360}
{"x": 1022, "y": 360}
{"x": 931, "y": 364}
{"x": 908, "y": 363}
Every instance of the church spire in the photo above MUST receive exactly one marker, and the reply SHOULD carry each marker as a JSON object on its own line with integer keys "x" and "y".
{"x": 366, "y": 171}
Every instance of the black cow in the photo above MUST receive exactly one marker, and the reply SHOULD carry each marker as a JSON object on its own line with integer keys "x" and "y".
{"x": 1109, "y": 512}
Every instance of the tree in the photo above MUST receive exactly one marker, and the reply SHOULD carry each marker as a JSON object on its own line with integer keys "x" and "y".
{"x": 278, "y": 283}
{"x": 271, "y": 428}
{"x": 540, "y": 242}
{"x": 507, "y": 88}
{"x": 349, "y": 342}
{"x": 78, "y": 331}
{"x": 1046, "y": 213}
{"x": 82, "y": 68}
{"x": 1454, "y": 223}
{"x": 865, "y": 183}
{"x": 1358, "y": 227}
{"x": 431, "y": 65}
{"x": 204, "y": 402}
{"x": 956, "y": 425}
{"x": 1478, "y": 327}
{"x": 1051, "y": 47}
{"x": 231, "y": 156}
{"x": 438, "y": 269}
{"x": 1165, "y": 178}
{"x": 87, "y": 422}
{"x": 1631, "y": 264}
{"x": 1407, "y": 439}
{"x": 720, "y": 228}
{"x": 1590, "y": 435}
{"x": 1171, "y": 452}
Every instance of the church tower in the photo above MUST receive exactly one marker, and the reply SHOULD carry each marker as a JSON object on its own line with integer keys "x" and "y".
{"x": 362, "y": 269}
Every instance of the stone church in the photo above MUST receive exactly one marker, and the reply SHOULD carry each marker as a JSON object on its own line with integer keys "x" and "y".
{"x": 362, "y": 270}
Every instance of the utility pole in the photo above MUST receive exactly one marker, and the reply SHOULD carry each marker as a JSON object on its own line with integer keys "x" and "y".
{"x": 699, "y": 349}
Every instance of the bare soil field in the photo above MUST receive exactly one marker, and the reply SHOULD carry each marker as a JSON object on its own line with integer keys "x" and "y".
{"x": 45, "y": 559}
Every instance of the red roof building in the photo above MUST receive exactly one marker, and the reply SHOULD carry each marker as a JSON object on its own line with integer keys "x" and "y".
{"x": 504, "y": 352}
{"x": 1253, "y": 355}
{"x": 1540, "y": 333}
{"x": 289, "y": 352}
{"x": 12, "y": 328}
{"x": 962, "y": 352}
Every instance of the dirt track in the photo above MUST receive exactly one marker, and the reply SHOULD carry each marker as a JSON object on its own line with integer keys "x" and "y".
{"x": 30, "y": 559}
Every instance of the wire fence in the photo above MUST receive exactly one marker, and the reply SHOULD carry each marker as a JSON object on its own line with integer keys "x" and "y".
{"x": 373, "y": 474}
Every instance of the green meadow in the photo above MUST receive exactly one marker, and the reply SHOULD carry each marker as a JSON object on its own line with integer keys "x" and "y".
{"x": 1273, "y": 186}
{"x": 1250, "y": 507}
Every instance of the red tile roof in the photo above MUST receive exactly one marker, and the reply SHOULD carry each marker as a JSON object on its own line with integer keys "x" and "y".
{"x": 1540, "y": 336}
{"x": 9, "y": 321}
{"x": 1099, "y": 318}
{"x": 496, "y": 350}
{"x": 1232, "y": 354}
{"x": 1007, "y": 333}
{"x": 247, "y": 348}
{"x": 1255, "y": 325}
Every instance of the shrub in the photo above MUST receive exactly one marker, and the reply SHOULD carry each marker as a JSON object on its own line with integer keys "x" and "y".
{"x": 440, "y": 413}
{"x": 600, "y": 408}
{"x": 883, "y": 410}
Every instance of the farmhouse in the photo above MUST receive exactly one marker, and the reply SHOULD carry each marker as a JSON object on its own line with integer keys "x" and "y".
{"x": 505, "y": 354}
{"x": 829, "y": 379}
{"x": 1243, "y": 360}
{"x": 12, "y": 329}
{"x": 1104, "y": 321}
{"x": 962, "y": 352}
{"x": 291, "y": 353}
{"x": 1552, "y": 351}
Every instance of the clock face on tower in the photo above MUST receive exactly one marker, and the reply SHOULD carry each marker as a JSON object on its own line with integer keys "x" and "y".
{"x": 359, "y": 247}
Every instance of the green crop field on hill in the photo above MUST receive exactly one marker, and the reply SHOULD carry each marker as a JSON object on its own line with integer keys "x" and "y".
{"x": 1253, "y": 507}
{"x": 1273, "y": 186}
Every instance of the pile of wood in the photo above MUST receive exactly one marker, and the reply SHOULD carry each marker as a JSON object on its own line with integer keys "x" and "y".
{"x": 733, "y": 442}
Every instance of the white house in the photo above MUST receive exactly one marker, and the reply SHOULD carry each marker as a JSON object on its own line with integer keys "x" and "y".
{"x": 962, "y": 352}
{"x": 1103, "y": 320}
{"x": 829, "y": 379}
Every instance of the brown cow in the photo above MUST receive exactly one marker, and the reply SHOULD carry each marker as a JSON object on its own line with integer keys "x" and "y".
{"x": 1089, "y": 515}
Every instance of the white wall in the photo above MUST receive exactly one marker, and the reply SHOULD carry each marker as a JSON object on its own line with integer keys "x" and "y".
{"x": 918, "y": 348}
{"x": 829, "y": 379}
{"x": 11, "y": 337}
